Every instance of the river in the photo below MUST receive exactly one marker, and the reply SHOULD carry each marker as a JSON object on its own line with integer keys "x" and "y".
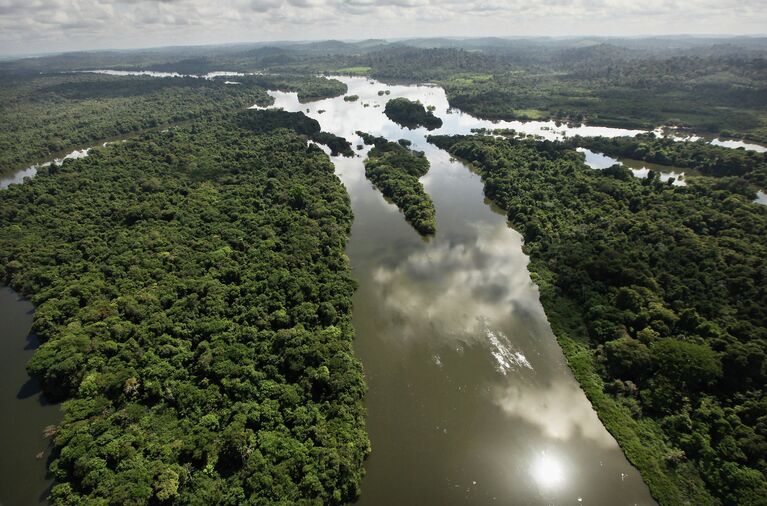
{"x": 639, "y": 168}
{"x": 24, "y": 412}
{"x": 470, "y": 398}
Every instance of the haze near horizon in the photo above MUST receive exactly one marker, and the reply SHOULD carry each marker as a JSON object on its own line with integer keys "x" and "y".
{"x": 41, "y": 26}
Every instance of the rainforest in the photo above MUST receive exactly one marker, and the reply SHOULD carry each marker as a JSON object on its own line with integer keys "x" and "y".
{"x": 386, "y": 272}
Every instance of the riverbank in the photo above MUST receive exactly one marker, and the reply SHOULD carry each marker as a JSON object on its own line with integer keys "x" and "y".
{"x": 25, "y": 411}
{"x": 642, "y": 441}
{"x": 605, "y": 251}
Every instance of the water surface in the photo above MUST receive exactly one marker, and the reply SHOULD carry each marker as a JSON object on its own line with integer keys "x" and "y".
{"x": 470, "y": 399}
{"x": 639, "y": 168}
{"x": 24, "y": 413}
{"x": 735, "y": 144}
{"x": 31, "y": 171}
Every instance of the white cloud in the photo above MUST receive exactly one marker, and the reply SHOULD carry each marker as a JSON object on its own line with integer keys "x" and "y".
{"x": 44, "y": 25}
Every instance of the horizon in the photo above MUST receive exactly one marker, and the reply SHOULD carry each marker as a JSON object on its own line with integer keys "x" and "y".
{"x": 278, "y": 42}
{"x": 43, "y": 27}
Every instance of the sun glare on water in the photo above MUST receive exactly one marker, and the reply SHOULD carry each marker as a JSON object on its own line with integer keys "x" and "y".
{"x": 548, "y": 471}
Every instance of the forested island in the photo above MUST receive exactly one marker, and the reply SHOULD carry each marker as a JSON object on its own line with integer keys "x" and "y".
{"x": 656, "y": 294}
{"x": 395, "y": 169}
{"x": 411, "y": 114}
{"x": 194, "y": 299}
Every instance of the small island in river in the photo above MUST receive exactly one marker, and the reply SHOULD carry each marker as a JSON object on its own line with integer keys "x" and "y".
{"x": 410, "y": 114}
{"x": 394, "y": 169}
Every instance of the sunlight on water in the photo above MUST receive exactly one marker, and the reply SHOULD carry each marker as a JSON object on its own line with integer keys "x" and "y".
{"x": 739, "y": 144}
{"x": 466, "y": 381}
{"x": 548, "y": 471}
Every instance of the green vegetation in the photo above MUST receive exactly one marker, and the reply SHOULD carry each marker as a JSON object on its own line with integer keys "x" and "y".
{"x": 714, "y": 95}
{"x": 194, "y": 299}
{"x": 411, "y": 114}
{"x": 43, "y": 116}
{"x": 354, "y": 71}
{"x": 308, "y": 88}
{"x": 713, "y": 85}
{"x": 351, "y": 98}
{"x": 713, "y": 89}
{"x": 700, "y": 156}
{"x": 394, "y": 169}
{"x": 338, "y": 145}
{"x": 268, "y": 120}
{"x": 657, "y": 295}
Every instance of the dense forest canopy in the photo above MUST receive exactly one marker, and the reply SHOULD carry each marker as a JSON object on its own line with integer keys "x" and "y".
{"x": 42, "y": 116}
{"x": 268, "y": 120}
{"x": 658, "y": 295}
{"x": 410, "y": 114}
{"x": 713, "y": 85}
{"x": 700, "y": 156}
{"x": 395, "y": 169}
{"x": 194, "y": 300}
{"x": 194, "y": 296}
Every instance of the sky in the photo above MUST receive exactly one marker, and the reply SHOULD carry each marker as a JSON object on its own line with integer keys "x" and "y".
{"x": 37, "y": 26}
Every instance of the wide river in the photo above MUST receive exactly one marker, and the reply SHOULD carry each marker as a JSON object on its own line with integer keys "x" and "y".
{"x": 470, "y": 399}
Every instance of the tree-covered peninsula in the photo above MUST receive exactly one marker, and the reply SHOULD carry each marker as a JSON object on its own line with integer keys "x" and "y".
{"x": 658, "y": 298}
{"x": 411, "y": 114}
{"x": 395, "y": 170}
{"x": 44, "y": 115}
{"x": 194, "y": 299}
{"x": 267, "y": 120}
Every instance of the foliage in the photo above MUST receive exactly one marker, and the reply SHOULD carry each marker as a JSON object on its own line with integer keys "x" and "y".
{"x": 267, "y": 120}
{"x": 395, "y": 169}
{"x": 337, "y": 144}
{"x": 669, "y": 284}
{"x": 714, "y": 85}
{"x": 700, "y": 156}
{"x": 194, "y": 299}
{"x": 308, "y": 88}
{"x": 721, "y": 92}
{"x": 41, "y": 117}
{"x": 411, "y": 114}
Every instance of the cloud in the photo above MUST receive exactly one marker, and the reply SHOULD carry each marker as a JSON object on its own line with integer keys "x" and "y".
{"x": 44, "y": 25}
{"x": 561, "y": 411}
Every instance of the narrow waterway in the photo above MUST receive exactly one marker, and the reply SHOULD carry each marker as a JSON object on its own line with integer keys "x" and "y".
{"x": 25, "y": 413}
{"x": 470, "y": 399}
{"x": 639, "y": 168}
